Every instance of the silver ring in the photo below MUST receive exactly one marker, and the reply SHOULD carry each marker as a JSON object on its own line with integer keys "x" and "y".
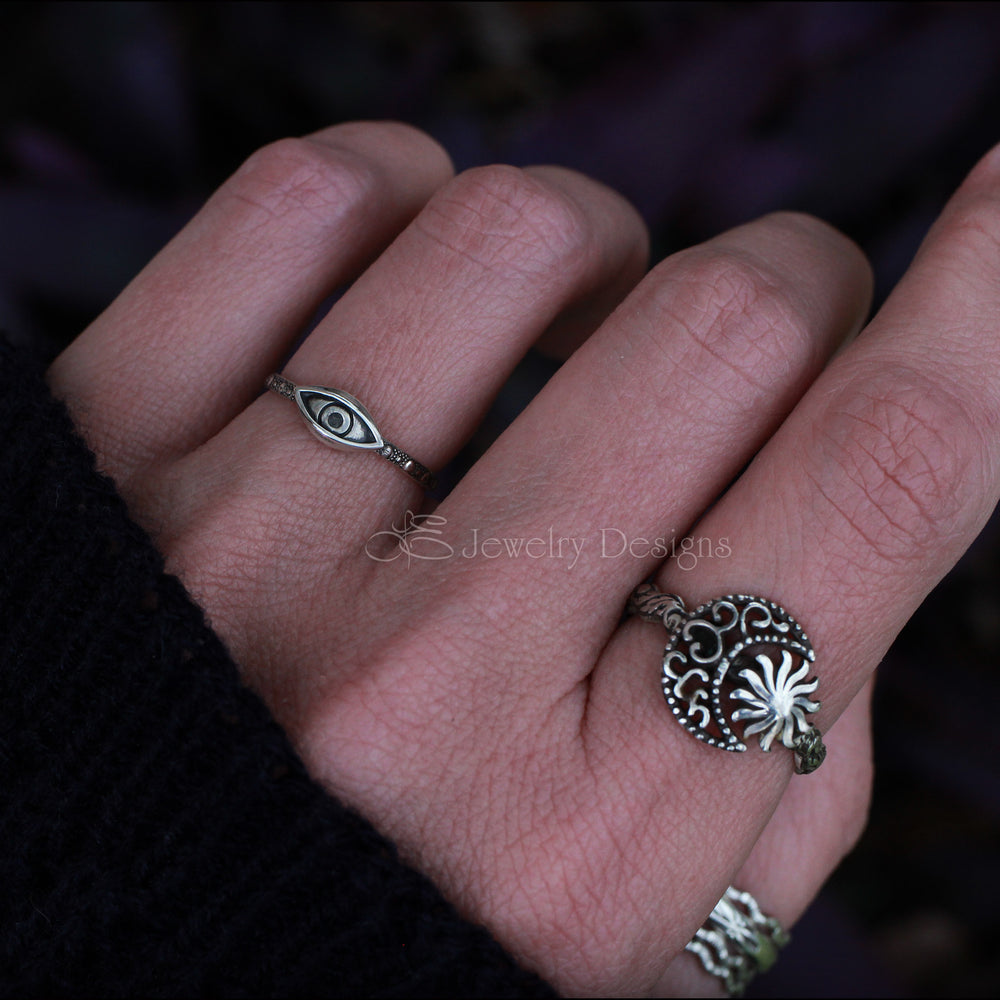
{"x": 737, "y": 941}
{"x": 341, "y": 421}
{"x": 711, "y": 649}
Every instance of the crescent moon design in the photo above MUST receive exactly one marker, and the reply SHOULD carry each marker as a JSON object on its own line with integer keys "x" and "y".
{"x": 733, "y": 639}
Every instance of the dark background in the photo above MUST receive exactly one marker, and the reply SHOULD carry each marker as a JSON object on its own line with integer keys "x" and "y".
{"x": 118, "y": 119}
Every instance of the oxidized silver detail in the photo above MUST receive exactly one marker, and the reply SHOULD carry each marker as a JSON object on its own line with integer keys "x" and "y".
{"x": 737, "y": 637}
{"x": 737, "y": 941}
{"x": 337, "y": 418}
{"x": 341, "y": 421}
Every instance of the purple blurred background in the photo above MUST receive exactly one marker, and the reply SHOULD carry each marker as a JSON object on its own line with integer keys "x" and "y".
{"x": 120, "y": 118}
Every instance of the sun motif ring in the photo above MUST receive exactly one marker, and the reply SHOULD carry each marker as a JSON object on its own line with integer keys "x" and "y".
{"x": 341, "y": 421}
{"x": 737, "y": 659}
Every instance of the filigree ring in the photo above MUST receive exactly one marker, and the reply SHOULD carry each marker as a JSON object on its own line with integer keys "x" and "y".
{"x": 341, "y": 421}
{"x": 737, "y": 941}
{"x": 737, "y": 649}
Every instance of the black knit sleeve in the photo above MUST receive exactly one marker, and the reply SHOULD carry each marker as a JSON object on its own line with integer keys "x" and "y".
{"x": 158, "y": 835}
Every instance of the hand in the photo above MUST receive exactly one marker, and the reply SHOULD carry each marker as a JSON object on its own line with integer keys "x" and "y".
{"x": 493, "y": 716}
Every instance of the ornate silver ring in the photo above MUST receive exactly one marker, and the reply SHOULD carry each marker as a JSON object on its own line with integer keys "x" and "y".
{"x": 737, "y": 941}
{"x": 341, "y": 421}
{"x": 743, "y": 649}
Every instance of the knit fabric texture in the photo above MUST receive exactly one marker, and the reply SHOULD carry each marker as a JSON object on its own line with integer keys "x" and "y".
{"x": 158, "y": 834}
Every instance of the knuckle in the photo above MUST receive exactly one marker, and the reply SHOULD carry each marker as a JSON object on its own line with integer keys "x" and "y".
{"x": 300, "y": 179}
{"x": 500, "y": 217}
{"x": 902, "y": 458}
{"x": 734, "y": 288}
{"x": 728, "y": 305}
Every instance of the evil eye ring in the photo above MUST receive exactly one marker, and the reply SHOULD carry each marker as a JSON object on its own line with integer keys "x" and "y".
{"x": 341, "y": 421}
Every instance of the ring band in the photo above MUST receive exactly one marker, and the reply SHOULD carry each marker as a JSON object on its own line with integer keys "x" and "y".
{"x": 756, "y": 641}
{"x": 341, "y": 421}
{"x": 737, "y": 941}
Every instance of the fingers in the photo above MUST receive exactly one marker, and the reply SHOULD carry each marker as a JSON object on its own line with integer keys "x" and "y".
{"x": 889, "y": 466}
{"x": 670, "y": 396}
{"x": 180, "y": 352}
{"x": 882, "y": 475}
{"x": 648, "y": 421}
{"x": 424, "y": 338}
{"x": 867, "y": 494}
{"x": 431, "y": 331}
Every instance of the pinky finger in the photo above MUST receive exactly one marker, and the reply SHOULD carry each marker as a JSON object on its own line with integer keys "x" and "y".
{"x": 815, "y": 824}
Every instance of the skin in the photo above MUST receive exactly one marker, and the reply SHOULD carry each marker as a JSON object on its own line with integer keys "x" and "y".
{"x": 493, "y": 716}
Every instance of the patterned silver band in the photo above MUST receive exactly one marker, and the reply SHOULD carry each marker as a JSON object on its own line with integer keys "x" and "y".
{"x": 737, "y": 941}
{"x": 726, "y": 641}
{"x": 341, "y": 421}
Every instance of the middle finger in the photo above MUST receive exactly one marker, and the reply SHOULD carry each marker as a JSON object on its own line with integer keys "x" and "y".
{"x": 643, "y": 428}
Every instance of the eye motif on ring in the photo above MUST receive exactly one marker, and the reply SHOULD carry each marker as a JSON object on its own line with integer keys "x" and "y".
{"x": 337, "y": 418}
